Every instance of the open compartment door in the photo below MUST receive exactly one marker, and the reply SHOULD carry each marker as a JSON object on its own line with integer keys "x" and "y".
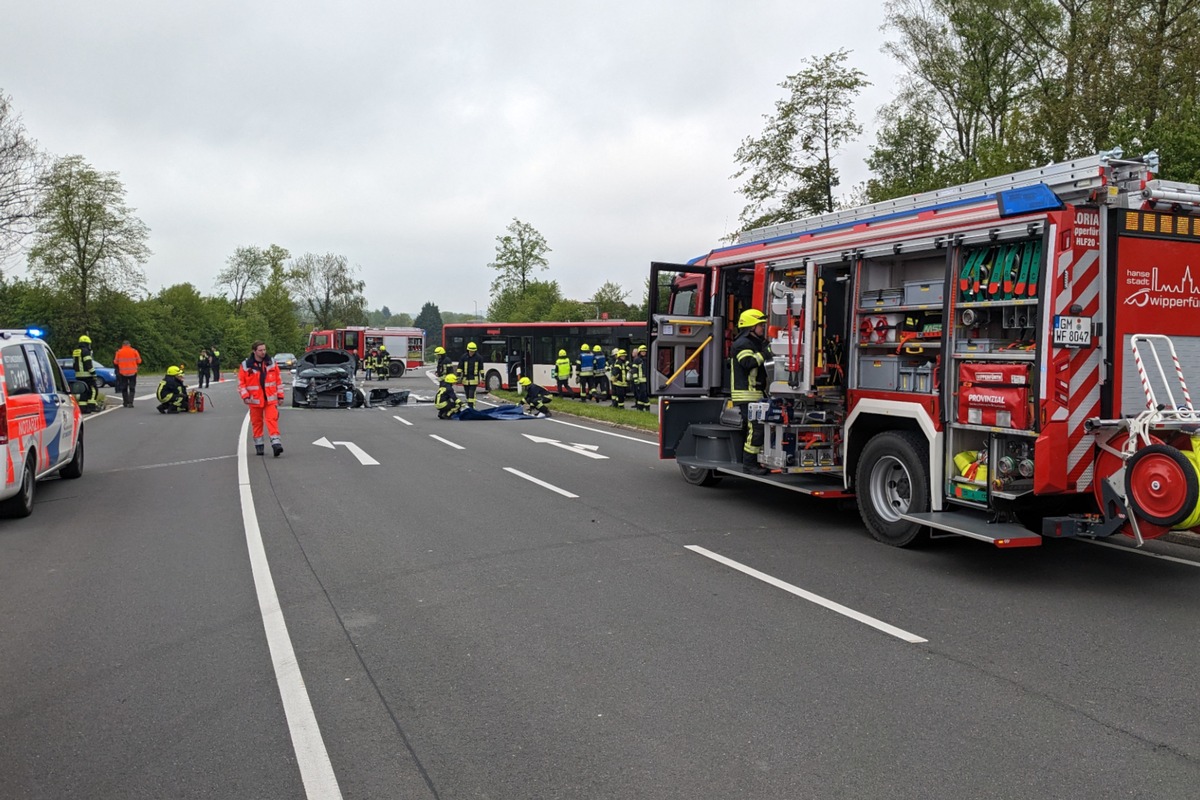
{"x": 685, "y": 340}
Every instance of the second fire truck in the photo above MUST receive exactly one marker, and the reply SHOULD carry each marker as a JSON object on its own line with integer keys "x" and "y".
{"x": 1004, "y": 360}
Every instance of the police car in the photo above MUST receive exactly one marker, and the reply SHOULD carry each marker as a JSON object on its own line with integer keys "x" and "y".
{"x": 41, "y": 429}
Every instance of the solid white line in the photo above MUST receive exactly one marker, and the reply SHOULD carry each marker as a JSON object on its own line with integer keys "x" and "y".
{"x": 446, "y": 441}
{"x": 1136, "y": 552}
{"x": 168, "y": 464}
{"x": 542, "y": 483}
{"x": 315, "y": 769}
{"x": 401, "y": 419}
{"x": 606, "y": 433}
{"x": 891, "y": 630}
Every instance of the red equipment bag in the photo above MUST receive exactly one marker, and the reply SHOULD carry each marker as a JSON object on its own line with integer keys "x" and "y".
{"x": 196, "y": 401}
{"x": 996, "y": 395}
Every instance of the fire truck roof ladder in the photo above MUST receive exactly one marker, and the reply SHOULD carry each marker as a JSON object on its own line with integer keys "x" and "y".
{"x": 1073, "y": 181}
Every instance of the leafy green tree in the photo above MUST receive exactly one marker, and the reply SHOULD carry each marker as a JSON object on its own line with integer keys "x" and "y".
{"x": 249, "y": 268}
{"x": 789, "y": 169}
{"x": 87, "y": 239}
{"x": 533, "y": 304}
{"x": 610, "y": 299}
{"x": 20, "y": 173}
{"x": 326, "y": 285}
{"x": 274, "y": 304}
{"x": 907, "y": 156}
{"x": 519, "y": 252}
{"x": 430, "y": 319}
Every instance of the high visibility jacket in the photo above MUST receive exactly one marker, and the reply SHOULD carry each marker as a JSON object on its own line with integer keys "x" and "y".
{"x": 259, "y": 383}
{"x": 170, "y": 388}
{"x": 444, "y": 364}
{"x": 637, "y": 371}
{"x": 562, "y": 368}
{"x": 84, "y": 368}
{"x": 126, "y": 360}
{"x": 586, "y": 364}
{"x": 619, "y": 373}
{"x": 748, "y": 373}
{"x": 215, "y": 356}
{"x": 599, "y": 363}
{"x": 445, "y": 397}
{"x": 471, "y": 368}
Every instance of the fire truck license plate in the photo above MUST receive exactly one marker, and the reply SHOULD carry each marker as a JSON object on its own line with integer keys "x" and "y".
{"x": 1073, "y": 331}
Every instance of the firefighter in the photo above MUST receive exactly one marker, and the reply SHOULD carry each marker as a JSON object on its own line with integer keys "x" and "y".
{"x": 534, "y": 396}
{"x": 599, "y": 374}
{"x": 369, "y": 364}
{"x": 562, "y": 374}
{"x": 172, "y": 393}
{"x": 471, "y": 369}
{"x": 446, "y": 401}
{"x": 85, "y": 373}
{"x": 748, "y": 382}
{"x": 382, "y": 364}
{"x": 619, "y": 378}
{"x": 262, "y": 390}
{"x": 444, "y": 362}
{"x": 584, "y": 369}
{"x": 639, "y": 379}
{"x": 126, "y": 362}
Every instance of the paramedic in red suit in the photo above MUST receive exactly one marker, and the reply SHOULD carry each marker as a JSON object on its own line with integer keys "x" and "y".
{"x": 262, "y": 390}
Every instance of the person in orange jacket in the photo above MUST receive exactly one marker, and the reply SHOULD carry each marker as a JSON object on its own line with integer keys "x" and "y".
{"x": 261, "y": 389}
{"x": 126, "y": 362}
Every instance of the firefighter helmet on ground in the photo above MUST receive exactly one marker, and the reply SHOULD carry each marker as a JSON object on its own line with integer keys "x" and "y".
{"x": 751, "y": 317}
{"x": 524, "y": 381}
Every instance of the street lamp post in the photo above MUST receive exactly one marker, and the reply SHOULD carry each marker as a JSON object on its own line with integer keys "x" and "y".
{"x": 476, "y": 302}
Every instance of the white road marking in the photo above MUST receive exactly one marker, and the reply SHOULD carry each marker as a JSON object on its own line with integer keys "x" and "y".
{"x": 581, "y": 449}
{"x": 891, "y": 630}
{"x": 168, "y": 464}
{"x": 606, "y": 433}
{"x": 315, "y": 769}
{"x": 446, "y": 441}
{"x": 401, "y": 419}
{"x": 539, "y": 482}
{"x": 363, "y": 457}
{"x": 1137, "y": 552}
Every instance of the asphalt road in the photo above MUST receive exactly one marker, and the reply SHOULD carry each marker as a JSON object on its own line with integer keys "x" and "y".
{"x": 485, "y": 615}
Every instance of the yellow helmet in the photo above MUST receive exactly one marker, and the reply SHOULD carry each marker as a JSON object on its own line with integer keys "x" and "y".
{"x": 439, "y": 351}
{"x": 85, "y": 339}
{"x": 598, "y": 349}
{"x": 472, "y": 347}
{"x": 562, "y": 353}
{"x": 174, "y": 371}
{"x": 451, "y": 378}
{"x": 751, "y": 317}
{"x": 524, "y": 381}
{"x": 584, "y": 348}
{"x": 620, "y": 353}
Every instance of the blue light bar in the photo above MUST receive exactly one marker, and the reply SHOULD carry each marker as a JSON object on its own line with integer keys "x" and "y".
{"x": 1027, "y": 199}
{"x": 36, "y": 333}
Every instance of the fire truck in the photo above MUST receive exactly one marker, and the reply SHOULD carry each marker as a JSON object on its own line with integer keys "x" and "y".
{"x": 405, "y": 346}
{"x": 1005, "y": 360}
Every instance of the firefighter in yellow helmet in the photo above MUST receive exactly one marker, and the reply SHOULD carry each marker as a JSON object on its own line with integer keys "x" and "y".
{"x": 444, "y": 362}
{"x": 534, "y": 396}
{"x": 171, "y": 393}
{"x": 639, "y": 379}
{"x": 85, "y": 373}
{"x": 584, "y": 369}
{"x": 446, "y": 400}
{"x": 471, "y": 371}
{"x": 562, "y": 373}
{"x": 748, "y": 382}
{"x": 599, "y": 374}
{"x": 619, "y": 377}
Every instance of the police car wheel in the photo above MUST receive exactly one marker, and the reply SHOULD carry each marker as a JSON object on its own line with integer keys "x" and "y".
{"x": 21, "y": 504}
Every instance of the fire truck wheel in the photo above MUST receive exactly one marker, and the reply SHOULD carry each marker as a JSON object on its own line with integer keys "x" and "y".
{"x": 21, "y": 504}
{"x": 74, "y": 468}
{"x": 395, "y": 369}
{"x": 699, "y": 476}
{"x": 492, "y": 382}
{"x": 1161, "y": 485}
{"x": 893, "y": 478}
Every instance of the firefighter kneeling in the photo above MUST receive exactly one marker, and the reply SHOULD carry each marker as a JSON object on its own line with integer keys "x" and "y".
{"x": 534, "y": 396}
{"x": 446, "y": 401}
{"x": 172, "y": 394}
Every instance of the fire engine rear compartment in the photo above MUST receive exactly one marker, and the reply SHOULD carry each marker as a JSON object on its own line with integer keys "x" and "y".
{"x": 978, "y": 363}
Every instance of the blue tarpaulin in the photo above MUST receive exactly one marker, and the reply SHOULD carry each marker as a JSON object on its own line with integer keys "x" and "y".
{"x": 499, "y": 412}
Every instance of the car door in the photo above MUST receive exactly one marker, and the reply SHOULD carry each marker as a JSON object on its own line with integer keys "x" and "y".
{"x": 58, "y": 435}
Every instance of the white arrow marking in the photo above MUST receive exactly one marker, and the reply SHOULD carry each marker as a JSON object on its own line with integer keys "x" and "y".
{"x": 356, "y": 451}
{"x": 581, "y": 449}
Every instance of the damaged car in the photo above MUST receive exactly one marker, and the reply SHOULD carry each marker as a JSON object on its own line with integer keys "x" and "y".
{"x": 325, "y": 379}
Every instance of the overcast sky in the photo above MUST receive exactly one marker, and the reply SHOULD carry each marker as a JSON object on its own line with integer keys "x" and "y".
{"x": 406, "y": 136}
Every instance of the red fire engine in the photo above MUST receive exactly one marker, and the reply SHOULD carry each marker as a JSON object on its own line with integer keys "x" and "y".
{"x": 405, "y": 346}
{"x": 1004, "y": 360}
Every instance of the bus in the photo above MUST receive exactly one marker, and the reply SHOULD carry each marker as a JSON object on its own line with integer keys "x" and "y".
{"x": 513, "y": 349}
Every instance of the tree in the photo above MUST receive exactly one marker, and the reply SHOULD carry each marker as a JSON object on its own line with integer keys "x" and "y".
{"x": 328, "y": 290}
{"x": 430, "y": 319}
{"x": 274, "y": 304}
{"x": 532, "y": 304}
{"x": 20, "y": 172}
{"x": 87, "y": 239}
{"x": 789, "y": 169}
{"x": 249, "y": 268}
{"x": 610, "y": 299}
{"x": 518, "y": 253}
{"x": 906, "y": 157}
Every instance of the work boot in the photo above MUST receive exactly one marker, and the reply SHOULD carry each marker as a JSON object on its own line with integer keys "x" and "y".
{"x": 750, "y": 465}
{"x": 258, "y": 449}
{"x": 277, "y": 449}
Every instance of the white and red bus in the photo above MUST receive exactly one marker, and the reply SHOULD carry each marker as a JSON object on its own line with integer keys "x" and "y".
{"x": 513, "y": 349}
{"x": 405, "y": 346}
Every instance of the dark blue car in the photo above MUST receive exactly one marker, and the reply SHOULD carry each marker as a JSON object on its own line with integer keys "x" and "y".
{"x": 105, "y": 376}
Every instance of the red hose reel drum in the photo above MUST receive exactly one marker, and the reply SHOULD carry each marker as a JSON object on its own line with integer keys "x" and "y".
{"x": 1161, "y": 485}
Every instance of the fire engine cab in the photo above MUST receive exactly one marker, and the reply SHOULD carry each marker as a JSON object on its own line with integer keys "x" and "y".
{"x": 1004, "y": 360}
{"x": 41, "y": 429}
